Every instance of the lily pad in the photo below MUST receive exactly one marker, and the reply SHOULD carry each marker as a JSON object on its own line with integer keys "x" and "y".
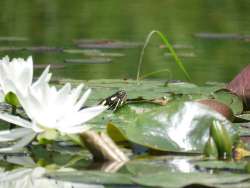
{"x": 221, "y": 36}
{"x": 95, "y": 177}
{"x": 13, "y": 39}
{"x": 230, "y": 99}
{"x": 38, "y": 49}
{"x": 147, "y": 89}
{"x": 178, "y": 179}
{"x": 106, "y": 44}
{"x": 92, "y": 53}
{"x": 221, "y": 165}
{"x": 177, "y": 127}
{"x": 89, "y": 61}
{"x": 163, "y": 176}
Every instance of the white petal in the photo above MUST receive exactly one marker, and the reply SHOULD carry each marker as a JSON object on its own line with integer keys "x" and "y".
{"x": 8, "y": 86}
{"x": 26, "y": 75}
{"x": 76, "y": 129}
{"x": 15, "y": 174}
{"x": 81, "y": 117}
{"x": 34, "y": 108}
{"x": 63, "y": 93}
{"x": 48, "y": 77}
{"x": 21, "y": 160}
{"x": 82, "y": 100}
{"x": 2, "y": 76}
{"x": 88, "y": 113}
{"x": 43, "y": 78}
{"x": 1, "y": 95}
{"x": 5, "y": 59}
{"x": 24, "y": 141}
{"x": 76, "y": 93}
{"x": 20, "y": 144}
{"x": 15, "y": 120}
{"x": 36, "y": 128}
{"x": 13, "y": 134}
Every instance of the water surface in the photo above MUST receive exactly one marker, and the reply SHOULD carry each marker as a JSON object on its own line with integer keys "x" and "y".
{"x": 59, "y": 23}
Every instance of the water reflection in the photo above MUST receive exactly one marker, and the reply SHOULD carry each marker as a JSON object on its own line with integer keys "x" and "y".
{"x": 57, "y": 24}
{"x": 28, "y": 174}
{"x": 33, "y": 177}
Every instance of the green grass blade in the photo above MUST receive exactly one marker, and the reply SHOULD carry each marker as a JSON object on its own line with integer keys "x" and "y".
{"x": 169, "y": 47}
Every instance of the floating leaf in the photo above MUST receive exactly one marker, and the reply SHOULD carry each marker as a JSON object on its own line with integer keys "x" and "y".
{"x": 93, "y": 53}
{"x": 190, "y": 88}
{"x": 160, "y": 175}
{"x": 89, "y": 61}
{"x": 95, "y": 177}
{"x": 106, "y": 43}
{"x": 177, "y": 127}
{"x": 222, "y": 36}
{"x": 13, "y": 39}
{"x": 219, "y": 107}
{"x": 178, "y": 179}
{"x": 221, "y": 165}
{"x": 39, "y": 49}
{"x": 229, "y": 99}
{"x": 53, "y": 66}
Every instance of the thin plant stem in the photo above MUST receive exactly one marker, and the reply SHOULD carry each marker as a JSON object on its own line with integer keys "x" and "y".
{"x": 169, "y": 47}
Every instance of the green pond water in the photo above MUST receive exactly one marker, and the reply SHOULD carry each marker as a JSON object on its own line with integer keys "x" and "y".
{"x": 59, "y": 23}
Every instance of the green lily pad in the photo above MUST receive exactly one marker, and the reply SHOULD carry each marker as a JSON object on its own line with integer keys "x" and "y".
{"x": 95, "y": 177}
{"x": 148, "y": 89}
{"x": 222, "y": 165}
{"x": 158, "y": 175}
{"x": 178, "y": 179}
{"x": 190, "y": 88}
{"x": 177, "y": 127}
{"x": 230, "y": 99}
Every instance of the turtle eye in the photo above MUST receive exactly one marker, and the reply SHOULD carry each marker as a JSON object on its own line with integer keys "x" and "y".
{"x": 115, "y": 101}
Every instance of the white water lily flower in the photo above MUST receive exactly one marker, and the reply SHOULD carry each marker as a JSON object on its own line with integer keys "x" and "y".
{"x": 17, "y": 75}
{"x": 49, "y": 109}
